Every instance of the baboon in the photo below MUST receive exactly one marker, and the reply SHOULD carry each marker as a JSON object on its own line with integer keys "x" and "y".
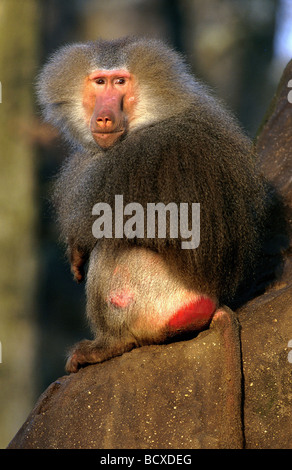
{"x": 141, "y": 127}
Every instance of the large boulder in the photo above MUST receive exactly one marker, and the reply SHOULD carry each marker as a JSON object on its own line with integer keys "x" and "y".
{"x": 266, "y": 329}
{"x": 266, "y": 321}
{"x": 181, "y": 395}
{"x": 229, "y": 387}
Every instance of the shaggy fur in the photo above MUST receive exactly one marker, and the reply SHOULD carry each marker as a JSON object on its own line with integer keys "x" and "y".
{"x": 182, "y": 146}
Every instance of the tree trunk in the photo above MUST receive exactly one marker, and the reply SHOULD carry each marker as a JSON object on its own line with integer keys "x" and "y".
{"x": 18, "y": 59}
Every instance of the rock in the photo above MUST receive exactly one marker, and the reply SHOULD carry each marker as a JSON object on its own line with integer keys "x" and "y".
{"x": 274, "y": 140}
{"x": 180, "y": 395}
{"x": 266, "y": 321}
{"x": 266, "y": 329}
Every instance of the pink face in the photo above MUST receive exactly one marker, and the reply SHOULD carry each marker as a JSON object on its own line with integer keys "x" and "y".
{"x": 108, "y": 102}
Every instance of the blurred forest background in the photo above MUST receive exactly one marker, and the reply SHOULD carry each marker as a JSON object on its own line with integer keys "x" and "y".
{"x": 238, "y": 47}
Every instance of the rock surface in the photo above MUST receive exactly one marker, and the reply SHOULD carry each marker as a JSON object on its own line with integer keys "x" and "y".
{"x": 181, "y": 395}
{"x": 207, "y": 392}
{"x": 266, "y": 321}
